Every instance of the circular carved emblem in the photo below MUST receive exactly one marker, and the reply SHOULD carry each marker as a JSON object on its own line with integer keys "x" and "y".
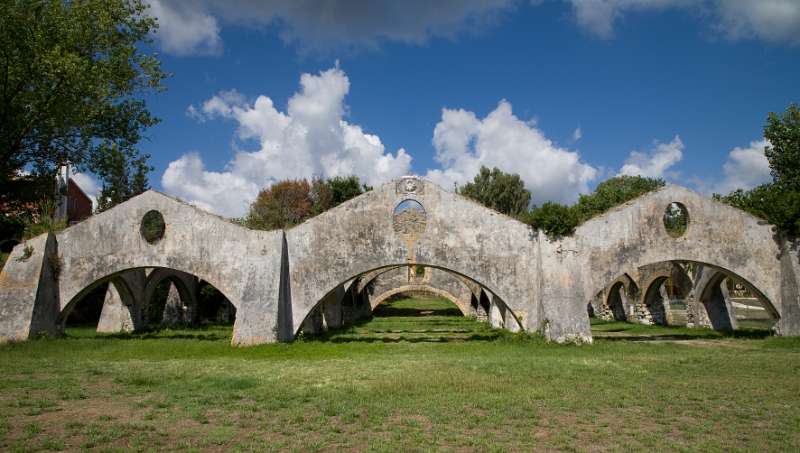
{"x": 410, "y": 185}
{"x": 409, "y": 219}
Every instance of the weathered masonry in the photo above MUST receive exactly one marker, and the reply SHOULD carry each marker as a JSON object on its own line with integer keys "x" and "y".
{"x": 408, "y": 234}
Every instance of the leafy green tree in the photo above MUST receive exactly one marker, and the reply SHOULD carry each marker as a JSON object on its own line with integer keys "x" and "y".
{"x": 498, "y": 190}
{"x": 614, "y": 192}
{"x": 783, "y": 152}
{"x": 123, "y": 175}
{"x": 73, "y": 77}
{"x": 555, "y": 219}
{"x": 344, "y": 188}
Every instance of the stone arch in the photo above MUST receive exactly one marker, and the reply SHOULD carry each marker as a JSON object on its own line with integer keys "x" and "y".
{"x": 121, "y": 292}
{"x": 186, "y": 285}
{"x": 631, "y": 236}
{"x": 653, "y": 309}
{"x": 617, "y": 302}
{"x": 423, "y": 289}
{"x": 703, "y": 290}
{"x": 718, "y": 309}
{"x": 459, "y": 236}
{"x": 712, "y": 305}
{"x": 319, "y": 315}
{"x": 242, "y": 264}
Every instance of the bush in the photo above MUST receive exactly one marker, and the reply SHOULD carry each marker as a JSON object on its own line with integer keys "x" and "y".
{"x": 553, "y": 218}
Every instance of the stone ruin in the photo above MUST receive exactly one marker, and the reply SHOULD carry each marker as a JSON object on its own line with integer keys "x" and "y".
{"x": 334, "y": 268}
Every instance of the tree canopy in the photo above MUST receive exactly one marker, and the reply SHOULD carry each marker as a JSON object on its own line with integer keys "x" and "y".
{"x": 124, "y": 176}
{"x": 73, "y": 76}
{"x": 560, "y": 220}
{"x": 498, "y": 190}
{"x": 290, "y": 202}
{"x": 783, "y": 152}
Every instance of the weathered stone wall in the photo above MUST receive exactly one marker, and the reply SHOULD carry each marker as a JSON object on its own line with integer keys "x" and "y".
{"x": 459, "y": 235}
{"x": 276, "y": 280}
{"x": 633, "y": 235}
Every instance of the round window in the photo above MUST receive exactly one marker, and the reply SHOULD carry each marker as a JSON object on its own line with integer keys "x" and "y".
{"x": 676, "y": 219}
{"x": 152, "y": 227}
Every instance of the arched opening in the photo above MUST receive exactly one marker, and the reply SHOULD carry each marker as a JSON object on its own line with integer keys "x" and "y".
{"x": 146, "y": 299}
{"x": 85, "y": 314}
{"x": 750, "y": 311}
{"x": 617, "y": 302}
{"x": 213, "y": 306}
{"x": 653, "y": 309}
{"x": 695, "y": 295}
{"x": 431, "y": 298}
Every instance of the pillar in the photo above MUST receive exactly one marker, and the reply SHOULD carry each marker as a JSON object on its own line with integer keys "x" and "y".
{"x": 117, "y": 315}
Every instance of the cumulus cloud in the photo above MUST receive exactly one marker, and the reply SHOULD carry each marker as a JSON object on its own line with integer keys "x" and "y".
{"x": 745, "y": 168}
{"x": 465, "y": 142}
{"x": 314, "y": 25}
{"x": 193, "y": 26}
{"x": 310, "y": 139}
{"x": 771, "y": 20}
{"x": 655, "y": 163}
{"x": 184, "y": 29}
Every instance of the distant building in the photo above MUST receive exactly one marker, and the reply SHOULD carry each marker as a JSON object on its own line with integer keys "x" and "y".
{"x": 73, "y": 205}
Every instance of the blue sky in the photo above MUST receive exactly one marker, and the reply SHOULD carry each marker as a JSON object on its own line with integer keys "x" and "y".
{"x": 565, "y": 93}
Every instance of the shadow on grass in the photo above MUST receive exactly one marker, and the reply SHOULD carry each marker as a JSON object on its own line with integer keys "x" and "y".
{"x": 389, "y": 311}
{"x": 404, "y": 339}
{"x": 638, "y": 332}
{"x": 156, "y": 333}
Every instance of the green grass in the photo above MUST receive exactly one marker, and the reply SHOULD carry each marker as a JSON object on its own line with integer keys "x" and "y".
{"x": 414, "y": 378}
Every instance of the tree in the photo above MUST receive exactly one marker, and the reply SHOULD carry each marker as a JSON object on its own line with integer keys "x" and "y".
{"x": 783, "y": 152}
{"x": 123, "y": 175}
{"x": 613, "y": 192}
{"x": 344, "y": 188}
{"x": 282, "y": 205}
{"x": 498, "y": 190}
{"x": 72, "y": 74}
{"x": 289, "y": 202}
{"x": 555, "y": 219}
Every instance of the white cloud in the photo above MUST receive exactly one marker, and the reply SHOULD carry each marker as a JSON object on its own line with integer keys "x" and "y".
{"x": 464, "y": 143}
{"x": 184, "y": 29}
{"x": 657, "y": 162}
{"x": 745, "y": 168}
{"x": 577, "y": 135}
{"x": 226, "y": 193}
{"x": 193, "y": 27}
{"x": 770, "y": 20}
{"x": 310, "y": 139}
{"x": 598, "y": 16}
{"x": 190, "y": 26}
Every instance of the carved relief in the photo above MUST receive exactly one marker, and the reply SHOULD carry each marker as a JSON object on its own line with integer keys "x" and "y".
{"x": 410, "y": 185}
{"x": 409, "y": 219}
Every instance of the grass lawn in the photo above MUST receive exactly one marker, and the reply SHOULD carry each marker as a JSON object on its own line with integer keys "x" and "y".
{"x": 416, "y": 377}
